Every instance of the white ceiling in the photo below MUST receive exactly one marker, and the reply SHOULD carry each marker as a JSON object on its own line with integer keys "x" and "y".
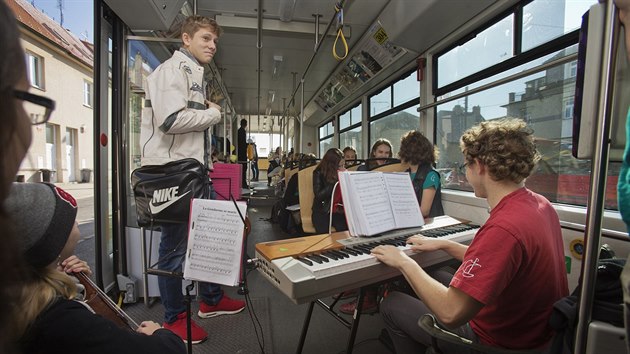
{"x": 412, "y": 24}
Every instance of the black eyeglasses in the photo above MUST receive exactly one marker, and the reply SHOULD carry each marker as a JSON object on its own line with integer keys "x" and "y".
{"x": 45, "y": 102}
{"x": 462, "y": 168}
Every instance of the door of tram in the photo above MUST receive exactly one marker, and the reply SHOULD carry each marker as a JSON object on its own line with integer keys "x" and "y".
{"x": 103, "y": 147}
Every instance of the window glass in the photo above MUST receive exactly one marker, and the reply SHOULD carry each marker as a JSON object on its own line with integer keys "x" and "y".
{"x": 406, "y": 89}
{"x": 541, "y": 100}
{"x": 392, "y": 128}
{"x": 545, "y": 20}
{"x": 351, "y": 138}
{"x": 87, "y": 93}
{"x": 355, "y": 116}
{"x": 324, "y": 145}
{"x": 34, "y": 68}
{"x": 491, "y": 46}
{"x": 326, "y": 130}
{"x": 344, "y": 120}
{"x": 381, "y": 102}
{"x": 531, "y": 64}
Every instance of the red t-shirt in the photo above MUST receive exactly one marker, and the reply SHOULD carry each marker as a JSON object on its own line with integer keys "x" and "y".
{"x": 515, "y": 267}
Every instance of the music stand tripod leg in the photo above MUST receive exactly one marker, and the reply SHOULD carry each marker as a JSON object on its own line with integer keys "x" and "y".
{"x": 145, "y": 276}
{"x": 189, "y": 343}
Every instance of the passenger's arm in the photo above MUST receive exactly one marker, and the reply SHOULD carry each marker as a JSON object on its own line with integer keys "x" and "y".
{"x": 422, "y": 243}
{"x": 451, "y": 306}
{"x": 427, "y": 201}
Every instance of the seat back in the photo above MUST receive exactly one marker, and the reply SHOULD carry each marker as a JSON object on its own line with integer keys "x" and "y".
{"x": 392, "y": 167}
{"x": 305, "y": 191}
{"x": 288, "y": 173}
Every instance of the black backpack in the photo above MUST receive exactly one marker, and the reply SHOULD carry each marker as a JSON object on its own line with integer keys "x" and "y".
{"x": 607, "y": 305}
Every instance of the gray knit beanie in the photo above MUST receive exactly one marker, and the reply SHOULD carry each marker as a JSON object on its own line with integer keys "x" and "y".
{"x": 43, "y": 216}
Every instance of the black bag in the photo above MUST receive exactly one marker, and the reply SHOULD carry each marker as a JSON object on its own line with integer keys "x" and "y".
{"x": 163, "y": 192}
{"x": 607, "y": 305}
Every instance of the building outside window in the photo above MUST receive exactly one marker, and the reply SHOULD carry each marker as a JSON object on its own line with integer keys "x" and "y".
{"x": 544, "y": 99}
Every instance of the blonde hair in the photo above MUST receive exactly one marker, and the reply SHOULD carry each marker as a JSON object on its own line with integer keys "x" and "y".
{"x": 36, "y": 293}
{"x": 505, "y": 146}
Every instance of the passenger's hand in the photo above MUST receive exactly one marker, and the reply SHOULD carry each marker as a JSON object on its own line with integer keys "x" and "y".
{"x": 391, "y": 256}
{"x": 423, "y": 243}
{"x": 148, "y": 327}
{"x": 213, "y": 105}
{"x": 73, "y": 264}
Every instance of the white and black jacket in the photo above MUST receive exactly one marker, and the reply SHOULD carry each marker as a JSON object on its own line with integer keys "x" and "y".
{"x": 175, "y": 119}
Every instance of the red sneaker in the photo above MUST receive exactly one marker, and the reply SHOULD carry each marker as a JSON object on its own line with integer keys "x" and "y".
{"x": 226, "y": 306}
{"x": 178, "y": 327}
{"x": 346, "y": 294}
{"x": 369, "y": 306}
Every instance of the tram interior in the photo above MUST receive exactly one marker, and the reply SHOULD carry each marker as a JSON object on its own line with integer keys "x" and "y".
{"x": 286, "y": 83}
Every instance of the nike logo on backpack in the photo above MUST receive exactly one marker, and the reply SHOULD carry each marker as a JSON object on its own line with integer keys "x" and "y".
{"x": 167, "y": 196}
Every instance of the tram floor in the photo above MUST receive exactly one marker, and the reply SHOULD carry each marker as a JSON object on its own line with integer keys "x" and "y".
{"x": 325, "y": 333}
{"x": 280, "y": 318}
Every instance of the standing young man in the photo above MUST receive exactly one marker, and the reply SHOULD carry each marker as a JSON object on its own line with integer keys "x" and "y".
{"x": 175, "y": 125}
{"x": 513, "y": 271}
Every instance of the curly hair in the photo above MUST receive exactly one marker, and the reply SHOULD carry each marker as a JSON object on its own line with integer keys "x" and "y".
{"x": 416, "y": 149}
{"x": 330, "y": 164}
{"x": 506, "y": 146}
{"x": 193, "y": 23}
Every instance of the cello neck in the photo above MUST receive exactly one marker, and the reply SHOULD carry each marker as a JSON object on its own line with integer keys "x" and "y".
{"x": 110, "y": 310}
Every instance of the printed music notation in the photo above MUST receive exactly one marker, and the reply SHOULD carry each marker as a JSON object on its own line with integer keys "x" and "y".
{"x": 215, "y": 242}
{"x": 376, "y": 202}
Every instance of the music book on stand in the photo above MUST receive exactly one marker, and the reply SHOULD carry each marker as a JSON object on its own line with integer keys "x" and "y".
{"x": 376, "y": 202}
{"x": 215, "y": 242}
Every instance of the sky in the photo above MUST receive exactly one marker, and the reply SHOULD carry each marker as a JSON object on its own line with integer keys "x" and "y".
{"x": 78, "y": 15}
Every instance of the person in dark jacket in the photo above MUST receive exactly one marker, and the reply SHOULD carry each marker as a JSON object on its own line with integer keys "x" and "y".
{"x": 51, "y": 320}
{"x": 324, "y": 179}
{"x": 242, "y": 150}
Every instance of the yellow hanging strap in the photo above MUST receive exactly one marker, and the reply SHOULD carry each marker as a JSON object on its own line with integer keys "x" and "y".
{"x": 339, "y": 10}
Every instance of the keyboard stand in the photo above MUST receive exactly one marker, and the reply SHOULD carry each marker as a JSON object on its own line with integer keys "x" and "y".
{"x": 351, "y": 325}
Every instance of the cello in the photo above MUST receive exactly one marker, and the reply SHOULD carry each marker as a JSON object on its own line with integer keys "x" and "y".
{"x": 103, "y": 305}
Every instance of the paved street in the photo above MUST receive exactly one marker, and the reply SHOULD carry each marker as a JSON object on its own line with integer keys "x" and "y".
{"x": 84, "y": 194}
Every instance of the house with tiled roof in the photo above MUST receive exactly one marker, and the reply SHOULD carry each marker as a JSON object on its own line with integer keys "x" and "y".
{"x": 60, "y": 66}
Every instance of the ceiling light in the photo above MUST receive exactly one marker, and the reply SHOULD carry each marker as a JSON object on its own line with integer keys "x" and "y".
{"x": 277, "y": 66}
{"x": 286, "y": 9}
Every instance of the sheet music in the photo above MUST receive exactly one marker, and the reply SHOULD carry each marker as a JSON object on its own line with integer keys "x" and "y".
{"x": 215, "y": 242}
{"x": 404, "y": 204}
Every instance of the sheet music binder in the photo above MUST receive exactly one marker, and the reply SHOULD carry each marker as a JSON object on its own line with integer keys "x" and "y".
{"x": 376, "y": 202}
{"x": 215, "y": 242}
